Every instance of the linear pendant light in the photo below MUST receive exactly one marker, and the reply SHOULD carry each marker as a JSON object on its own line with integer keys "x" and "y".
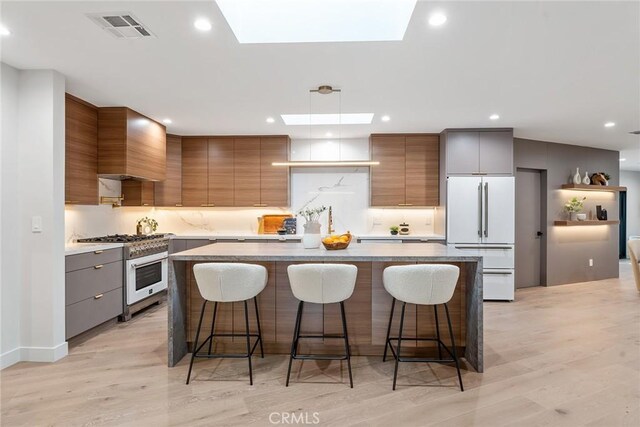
{"x": 326, "y": 90}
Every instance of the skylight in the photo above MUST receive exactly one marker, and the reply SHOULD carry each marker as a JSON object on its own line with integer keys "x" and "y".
{"x": 306, "y": 21}
{"x": 327, "y": 119}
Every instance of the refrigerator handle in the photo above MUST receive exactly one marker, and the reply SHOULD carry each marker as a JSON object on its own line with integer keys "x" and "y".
{"x": 480, "y": 209}
{"x": 486, "y": 209}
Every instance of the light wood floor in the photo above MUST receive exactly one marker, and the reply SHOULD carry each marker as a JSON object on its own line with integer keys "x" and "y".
{"x": 566, "y": 356}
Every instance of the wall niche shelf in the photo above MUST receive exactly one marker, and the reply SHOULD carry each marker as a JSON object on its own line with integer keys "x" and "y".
{"x": 584, "y": 187}
{"x": 567, "y": 223}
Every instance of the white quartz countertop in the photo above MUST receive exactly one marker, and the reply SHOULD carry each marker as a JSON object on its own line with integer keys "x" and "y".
{"x": 81, "y": 248}
{"x": 296, "y": 252}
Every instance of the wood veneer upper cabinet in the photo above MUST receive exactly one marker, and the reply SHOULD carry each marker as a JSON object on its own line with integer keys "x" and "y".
{"x": 388, "y": 178}
{"x": 169, "y": 191}
{"x": 246, "y": 172}
{"x": 130, "y": 144}
{"x": 194, "y": 171}
{"x": 138, "y": 193}
{"x": 221, "y": 166}
{"x": 274, "y": 180}
{"x": 81, "y": 152}
{"x": 422, "y": 170}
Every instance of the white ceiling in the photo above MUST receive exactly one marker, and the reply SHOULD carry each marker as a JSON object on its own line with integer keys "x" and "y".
{"x": 555, "y": 71}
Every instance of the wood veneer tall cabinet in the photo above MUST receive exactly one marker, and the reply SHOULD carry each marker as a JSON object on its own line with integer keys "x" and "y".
{"x": 169, "y": 191}
{"x": 408, "y": 173}
{"x": 81, "y": 152}
{"x": 195, "y": 171}
{"x": 274, "y": 180}
{"x": 130, "y": 145}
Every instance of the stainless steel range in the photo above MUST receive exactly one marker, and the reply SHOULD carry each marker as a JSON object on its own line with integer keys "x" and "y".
{"x": 146, "y": 268}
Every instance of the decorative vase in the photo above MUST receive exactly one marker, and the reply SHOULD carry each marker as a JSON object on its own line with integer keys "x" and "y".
{"x": 586, "y": 180}
{"x": 573, "y": 216}
{"x": 576, "y": 178}
{"x": 311, "y": 238}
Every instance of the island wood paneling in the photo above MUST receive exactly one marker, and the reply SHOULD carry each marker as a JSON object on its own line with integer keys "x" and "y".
{"x": 274, "y": 180}
{"x": 221, "y": 177}
{"x": 388, "y": 178}
{"x": 367, "y": 313}
{"x": 246, "y": 172}
{"x": 81, "y": 152}
{"x": 194, "y": 171}
{"x": 130, "y": 144}
{"x": 422, "y": 170}
{"x": 169, "y": 191}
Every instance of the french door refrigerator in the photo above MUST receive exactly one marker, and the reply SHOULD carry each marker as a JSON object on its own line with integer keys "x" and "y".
{"x": 481, "y": 222}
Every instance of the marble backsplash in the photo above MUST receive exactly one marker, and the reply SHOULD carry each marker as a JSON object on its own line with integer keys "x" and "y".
{"x": 345, "y": 189}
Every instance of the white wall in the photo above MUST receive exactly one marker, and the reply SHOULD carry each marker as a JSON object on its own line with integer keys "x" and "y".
{"x": 631, "y": 180}
{"x": 33, "y": 186}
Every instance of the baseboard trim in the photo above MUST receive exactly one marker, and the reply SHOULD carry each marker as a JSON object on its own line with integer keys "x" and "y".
{"x": 10, "y": 357}
{"x": 33, "y": 354}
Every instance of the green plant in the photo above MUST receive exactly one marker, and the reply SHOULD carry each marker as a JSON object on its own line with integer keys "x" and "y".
{"x": 149, "y": 221}
{"x": 394, "y": 228}
{"x": 312, "y": 214}
{"x": 574, "y": 204}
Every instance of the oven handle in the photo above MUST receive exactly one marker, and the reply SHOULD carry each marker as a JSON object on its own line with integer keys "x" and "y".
{"x": 144, "y": 264}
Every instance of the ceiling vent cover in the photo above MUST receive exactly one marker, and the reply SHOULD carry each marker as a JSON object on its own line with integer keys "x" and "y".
{"x": 122, "y": 25}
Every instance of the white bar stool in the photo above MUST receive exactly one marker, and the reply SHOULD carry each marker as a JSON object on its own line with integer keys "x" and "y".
{"x": 321, "y": 284}
{"x": 229, "y": 282}
{"x": 422, "y": 284}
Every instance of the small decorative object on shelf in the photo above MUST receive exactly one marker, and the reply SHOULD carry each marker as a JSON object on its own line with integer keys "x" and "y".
{"x": 576, "y": 178}
{"x": 146, "y": 225}
{"x": 599, "y": 178}
{"x": 290, "y": 224}
{"x": 607, "y": 178}
{"x": 573, "y": 206}
{"x": 581, "y": 216}
{"x": 404, "y": 229}
{"x": 394, "y": 230}
{"x": 601, "y": 214}
{"x": 334, "y": 242}
{"x": 311, "y": 238}
{"x": 586, "y": 180}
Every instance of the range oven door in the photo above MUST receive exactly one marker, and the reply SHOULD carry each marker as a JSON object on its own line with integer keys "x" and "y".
{"x": 146, "y": 276}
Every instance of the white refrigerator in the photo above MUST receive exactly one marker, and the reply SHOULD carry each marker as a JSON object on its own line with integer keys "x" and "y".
{"x": 481, "y": 222}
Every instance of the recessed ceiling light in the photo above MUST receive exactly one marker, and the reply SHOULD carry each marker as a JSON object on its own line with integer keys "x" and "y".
{"x": 327, "y": 119}
{"x": 286, "y": 21}
{"x": 623, "y": 159}
{"x": 385, "y": 118}
{"x": 328, "y": 134}
{"x": 202, "y": 24}
{"x": 167, "y": 121}
{"x": 4, "y": 31}
{"x": 270, "y": 120}
{"x": 437, "y": 19}
{"x": 494, "y": 117}
{"x": 609, "y": 124}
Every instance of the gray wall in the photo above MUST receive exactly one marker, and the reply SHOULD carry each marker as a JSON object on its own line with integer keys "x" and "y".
{"x": 631, "y": 180}
{"x": 568, "y": 249}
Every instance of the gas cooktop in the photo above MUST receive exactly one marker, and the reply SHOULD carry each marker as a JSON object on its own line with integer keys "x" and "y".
{"x": 122, "y": 238}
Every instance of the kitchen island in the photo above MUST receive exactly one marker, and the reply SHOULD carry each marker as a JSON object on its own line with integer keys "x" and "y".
{"x": 367, "y": 310}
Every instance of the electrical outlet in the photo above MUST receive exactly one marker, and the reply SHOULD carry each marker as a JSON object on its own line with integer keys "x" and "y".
{"x": 590, "y": 262}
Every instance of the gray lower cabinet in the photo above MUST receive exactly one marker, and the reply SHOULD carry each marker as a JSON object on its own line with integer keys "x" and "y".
{"x": 93, "y": 289}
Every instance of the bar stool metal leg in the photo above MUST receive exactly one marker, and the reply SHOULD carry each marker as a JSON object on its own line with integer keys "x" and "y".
{"x": 213, "y": 325}
{"x": 294, "y": 341}
{"x": 435, "y": 311}
{"x": 255, "y": 301}
{"x": 386, "y": 342}
{"x": 195, "y": 344}
{"x": 346, "y": 342}
{"x": 246, "y": 320}
{"x": 395, "y": 371}
{"x": 453, "y": 347}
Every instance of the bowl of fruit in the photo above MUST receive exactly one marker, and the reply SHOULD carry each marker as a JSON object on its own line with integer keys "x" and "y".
{"x": 335, "y": 241}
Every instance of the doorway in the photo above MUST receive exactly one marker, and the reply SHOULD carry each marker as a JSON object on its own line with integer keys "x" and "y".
{"x": 530, "y": 234}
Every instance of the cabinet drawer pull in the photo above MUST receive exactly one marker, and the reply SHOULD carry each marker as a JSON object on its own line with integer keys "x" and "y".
{"x": 145, "y": 204}
{"x": 98, "y": 267}
{"x": 178, "y": 205}
{"x": 500, "y": 273}
{"x": 206, "y": 205}
{"x": 260, "y": 205}
{"x": 98, "y": 296}
{"x": 405, "y": 204}
{"x": 98, "y": 252}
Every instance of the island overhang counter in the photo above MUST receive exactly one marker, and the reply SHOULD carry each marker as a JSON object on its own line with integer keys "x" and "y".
{"x": 367, "y": 310}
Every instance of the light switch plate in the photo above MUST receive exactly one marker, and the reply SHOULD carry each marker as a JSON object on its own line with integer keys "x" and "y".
{"x": 36, "y": 224}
